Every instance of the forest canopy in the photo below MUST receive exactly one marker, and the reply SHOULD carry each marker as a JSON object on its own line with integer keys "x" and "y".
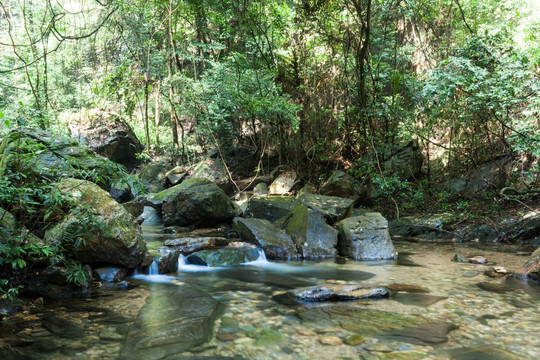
{"x": 320, "y": 83}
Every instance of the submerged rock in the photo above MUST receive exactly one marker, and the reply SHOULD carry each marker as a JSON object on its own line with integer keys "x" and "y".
{"x": 365, "y": 237}
{"x": 334, "y": 292}
{"x": 172, "y": 321}
{"x": 482, "y": 353}
{"x": 312, "y": 236}
{"x": 228, "y": 256}
{"x": 275, "y": 243}
{"x": 196, "y": 202}
{"x": 104, "y": 230}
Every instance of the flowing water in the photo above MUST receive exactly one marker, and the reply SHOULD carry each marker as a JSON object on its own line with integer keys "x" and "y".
{"x": 459, "y": 312}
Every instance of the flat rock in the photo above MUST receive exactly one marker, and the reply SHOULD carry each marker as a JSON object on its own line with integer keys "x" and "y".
{"x": 334, "y": 292}
{"x": 172, "y": 321}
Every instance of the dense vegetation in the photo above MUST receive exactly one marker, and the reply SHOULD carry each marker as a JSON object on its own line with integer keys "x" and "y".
{"x": 317, "y": 84}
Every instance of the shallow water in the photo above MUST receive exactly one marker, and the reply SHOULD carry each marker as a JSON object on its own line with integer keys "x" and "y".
{"x": 500, "y": 313}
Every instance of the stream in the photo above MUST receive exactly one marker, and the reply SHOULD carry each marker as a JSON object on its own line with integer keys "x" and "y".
{"x": 452, "y": 311}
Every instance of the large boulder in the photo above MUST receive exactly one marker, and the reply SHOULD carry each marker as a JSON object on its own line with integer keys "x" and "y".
{"x": 271, "y": 208}
{"x": 403, "y": 161}
{"x": 524, "y": 230}
{"x": 197, "y": 202}
{"x": 333, "y": 207}
{"x": 215, "y": 171}
{"x": 531, "y": 269}
{"x": 97, "y": 228}
{"x": 313, "y": 237}
{"x": 108, "y": 135}
{"x": 341, "y": 184}
{"x": 274, "y": 242}
{"x": 153, "y": 176}
{"x": 52, "y": 156}
{"x": 283, "y": 183}
{"x": 365, "y": 237}
{"x": 487, "y": 177}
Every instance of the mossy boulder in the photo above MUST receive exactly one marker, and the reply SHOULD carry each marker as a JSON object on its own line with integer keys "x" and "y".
{"x": 365, "y": 237}
{"x": 215, "y": 171}
{"x": 275, "y": 243}
{"x": 313, "y": 237}
{"x": 48, "y": 155}
{"x": 153, "y": 176}
{"x": 197, "y": 202}
{"x": 341, "y": 184}
{"x": 97, "y": 228}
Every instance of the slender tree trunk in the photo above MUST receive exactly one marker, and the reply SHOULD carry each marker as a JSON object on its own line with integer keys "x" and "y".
{"x": 156, "y": 114}
{"x": 146, "y": 126}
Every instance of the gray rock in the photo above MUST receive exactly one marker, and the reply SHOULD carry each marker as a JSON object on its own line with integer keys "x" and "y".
{"x": 335, "y": 292}
{"x": 261, "y": 189}
{"x": 187, "y": 246}
{"x": 333, "y": 207}
{"x": 153, "y": 177}
{"x": 176, "y": 175}
{"x": 524, "y": 231}
{"x": 271, "y": 208}
{"x": 404, "y": 161}
{"x": 168, "y": 262}
{"x": 487, "y": 177}
{"x": 365, "y": 237}
{"x": 283, "y": 183}
{"x": 312, "y": 236}
{"x": 110, "y": 273}
{"x": 108, "y": 135}
{"x": 341, "y": 184}
{"x": 275, "y": 243}
{"x": 215, "y": 171}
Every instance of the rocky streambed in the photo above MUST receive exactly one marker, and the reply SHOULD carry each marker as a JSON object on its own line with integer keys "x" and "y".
{"x": 437, "y": 308}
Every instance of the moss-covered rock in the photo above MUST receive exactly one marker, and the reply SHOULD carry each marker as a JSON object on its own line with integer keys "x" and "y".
{"x": 197, "y": 202}
{"x": 153, "y": 176}
{"x": 97, "y": 228}
{"x": 215, "y": 171}
{"x": 313, "y": 237}
{"x": 341, "y": 184}
{"x": 227, "y": 256}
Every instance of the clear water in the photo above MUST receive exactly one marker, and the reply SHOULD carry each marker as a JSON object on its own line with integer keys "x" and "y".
{"x": 252, "y": 294}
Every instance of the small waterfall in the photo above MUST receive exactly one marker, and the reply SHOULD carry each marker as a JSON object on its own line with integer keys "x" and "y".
{"x": 153, "y": 269}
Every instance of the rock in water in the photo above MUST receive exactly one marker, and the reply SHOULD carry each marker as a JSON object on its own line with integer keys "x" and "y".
{"x": 275, "y": 243}
{"x": 531, "y": 269}
{"x": 196, "y": 202}
{"x": 312, "y": 236}
{"x": 107, "y": 233}
{"x": 365, "y": 237}
{"x": 227, "y": 256}
{"x": 174, "y": 320}
{"x": 334, "y": 292}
